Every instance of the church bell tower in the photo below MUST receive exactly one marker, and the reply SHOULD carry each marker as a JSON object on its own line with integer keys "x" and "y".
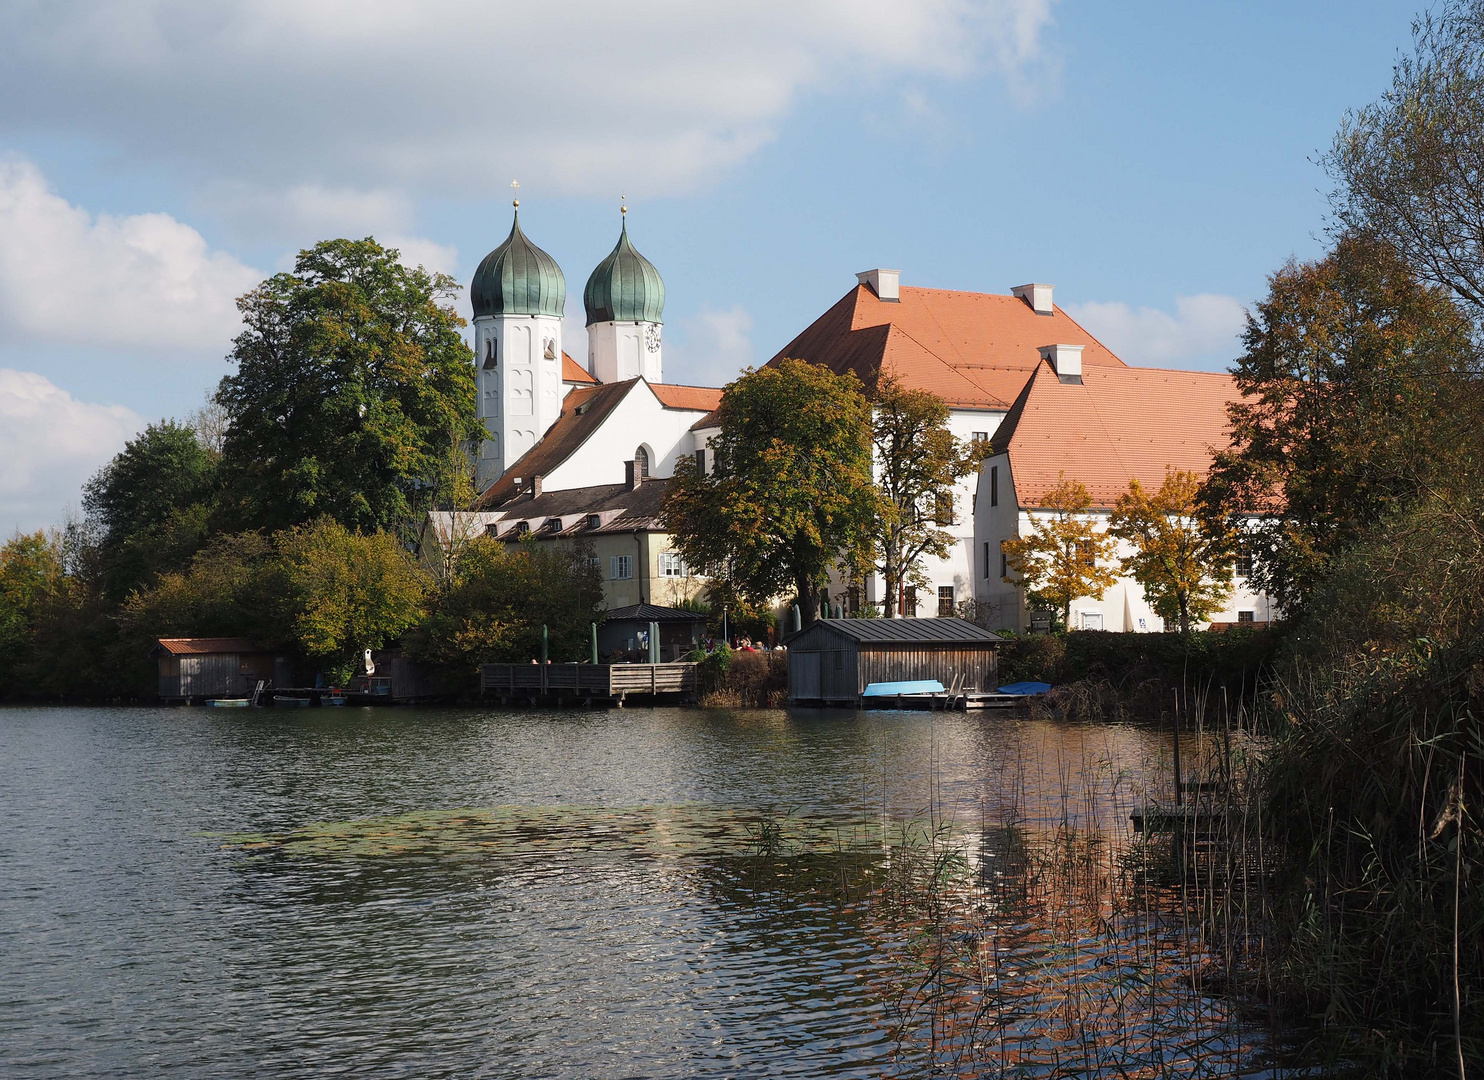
{"x": 518, "y": 295}
{"x": 625, "y": 302}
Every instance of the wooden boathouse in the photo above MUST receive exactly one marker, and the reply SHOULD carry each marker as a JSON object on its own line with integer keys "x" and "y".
{"x": 197, "y": 668}
{"x": 833, "y": 661}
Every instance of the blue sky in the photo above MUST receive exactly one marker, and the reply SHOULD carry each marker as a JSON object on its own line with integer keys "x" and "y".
{"x": 157, "y": 157}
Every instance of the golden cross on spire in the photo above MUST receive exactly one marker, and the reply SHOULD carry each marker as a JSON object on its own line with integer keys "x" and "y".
{"x": 515, "y": 186}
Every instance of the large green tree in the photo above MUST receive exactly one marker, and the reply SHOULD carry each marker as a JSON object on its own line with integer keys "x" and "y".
{"x": 232, "y": 587}
{"x": 918, "y": 464}
{"x": 791, "y": 488}
{"x": 499, "y": 597}
{"x": 352, "y": 387}
{"x": 346, "y": 591}
{"x": 149, "y": 505}
{"x": 1350, "y": 383}
{"x": 31, "y": 573}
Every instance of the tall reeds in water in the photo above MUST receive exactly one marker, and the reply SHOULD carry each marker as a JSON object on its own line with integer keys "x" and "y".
{"x": 1029, "y": 943}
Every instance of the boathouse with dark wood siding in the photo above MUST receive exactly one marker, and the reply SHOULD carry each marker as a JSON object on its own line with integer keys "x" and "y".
{"x": 834, "y": 660}
{"x": 197, "y": 668}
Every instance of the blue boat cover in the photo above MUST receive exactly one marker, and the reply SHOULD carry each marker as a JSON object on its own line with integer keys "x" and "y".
{"x": 892, "y": 689}
{"x": 1025, "y": 689}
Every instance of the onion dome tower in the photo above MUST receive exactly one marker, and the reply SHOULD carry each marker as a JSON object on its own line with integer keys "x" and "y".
{"x": 625, "y": 301}
{"x": 518, "y": 295}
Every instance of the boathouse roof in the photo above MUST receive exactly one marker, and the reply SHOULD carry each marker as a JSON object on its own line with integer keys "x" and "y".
{"x": 207, "y": 646}
{"x": 900, "y": 632}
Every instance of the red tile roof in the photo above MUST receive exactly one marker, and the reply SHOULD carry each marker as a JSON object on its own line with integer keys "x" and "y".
{"x": 203, "y": 646}
{"x": 1119, "y": 424}
{"x": 973, "y": 350}
{"x": 698, "y": 398}
{"x": 574, "y": 372}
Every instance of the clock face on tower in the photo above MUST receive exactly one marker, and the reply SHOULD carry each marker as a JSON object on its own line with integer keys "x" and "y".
{"x": 652, "y": 338}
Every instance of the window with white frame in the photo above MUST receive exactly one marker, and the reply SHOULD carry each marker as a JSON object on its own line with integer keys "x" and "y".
{"x": 1243, "y": 563}
{"x": 672, "y": 565}
{"x": 620, "y": 567}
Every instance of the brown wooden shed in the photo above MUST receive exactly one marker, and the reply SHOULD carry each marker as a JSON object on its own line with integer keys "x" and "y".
{"x": 834, "y": 660}
{"x": 211, "y": 667}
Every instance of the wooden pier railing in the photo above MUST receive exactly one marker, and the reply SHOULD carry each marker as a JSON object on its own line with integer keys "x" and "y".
{"x": 606, "y": 681}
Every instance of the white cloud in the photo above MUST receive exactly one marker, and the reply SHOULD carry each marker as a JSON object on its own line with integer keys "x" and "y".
{"x": 304, "y": 213}
{"x": 1203, "y": 332}
{"x": 50, "y": 443}
{"x": 585, "y": 96}
{"x": 429, "y": 254}
{"x": 145, "y": 281}
{"x": 713, "y": 349}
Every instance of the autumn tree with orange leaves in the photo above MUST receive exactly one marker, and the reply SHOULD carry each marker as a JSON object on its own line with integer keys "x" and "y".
{"x": 1183, "y": 564}
{"x": 1065, "y": 555}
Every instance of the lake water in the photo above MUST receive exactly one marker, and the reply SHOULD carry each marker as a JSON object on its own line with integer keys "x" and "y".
{"x": 669, "y": 892}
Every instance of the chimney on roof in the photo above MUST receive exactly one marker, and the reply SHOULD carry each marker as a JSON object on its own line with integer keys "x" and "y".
{"x": 1066, "y": 361}
{"x": 1038, "y": 296}
{"x": 886, "y": 284}
{"x": 631, "y": 475}
{"x": 535, "y": 486}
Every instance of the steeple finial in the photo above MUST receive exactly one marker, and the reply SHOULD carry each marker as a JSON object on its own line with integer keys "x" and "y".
{"x": 623, "y": 208}
{"x": 515, "y": 186}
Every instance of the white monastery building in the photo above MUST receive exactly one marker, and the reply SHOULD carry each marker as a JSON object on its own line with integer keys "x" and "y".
{"x": 584, "y": 452}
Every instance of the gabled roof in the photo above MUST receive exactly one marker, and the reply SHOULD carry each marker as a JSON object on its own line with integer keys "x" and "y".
{"x": 1119, "y": 424}
{"x": 622, "y": 508}
{"x": 693, "y": 398}
{"x": 205, "y": 646}
{"x": 573, "y": 372}
{"x": 654, "y": 613}
{"x": 973, "y": 350}
{"x": 902, "y": 631}
{"x": 710, "y": 420}
{"x": 583, "y": 412}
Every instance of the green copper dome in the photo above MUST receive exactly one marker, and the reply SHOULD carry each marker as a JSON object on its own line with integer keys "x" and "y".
{"x": 518, "y": 278}
{"x": 625, "y": 287}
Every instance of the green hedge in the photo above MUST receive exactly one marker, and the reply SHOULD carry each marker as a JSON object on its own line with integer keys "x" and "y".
{"x": 1231, "y": 659}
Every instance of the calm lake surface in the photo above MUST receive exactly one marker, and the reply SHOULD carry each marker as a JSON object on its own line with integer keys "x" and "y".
{"x": 201, "y": 892}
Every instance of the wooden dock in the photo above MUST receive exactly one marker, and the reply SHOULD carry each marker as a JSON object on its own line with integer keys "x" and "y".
{"x": 961, "y": 701}
{"x": 592, "y": 684}
{"x": 1200, "y": 818}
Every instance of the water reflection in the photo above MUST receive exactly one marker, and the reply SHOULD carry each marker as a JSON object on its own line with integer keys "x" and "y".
{"x": 674, "y": 892}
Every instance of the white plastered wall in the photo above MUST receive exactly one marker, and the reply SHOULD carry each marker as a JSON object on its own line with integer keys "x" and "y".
{"x": 1122, "y": 608}
{"x": 638, "y": 420}
{"x": 624, "y": 350}
{"x": 520, "y": 396}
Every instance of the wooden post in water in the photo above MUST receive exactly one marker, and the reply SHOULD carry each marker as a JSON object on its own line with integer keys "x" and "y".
{"x": 1177, "y": 748}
